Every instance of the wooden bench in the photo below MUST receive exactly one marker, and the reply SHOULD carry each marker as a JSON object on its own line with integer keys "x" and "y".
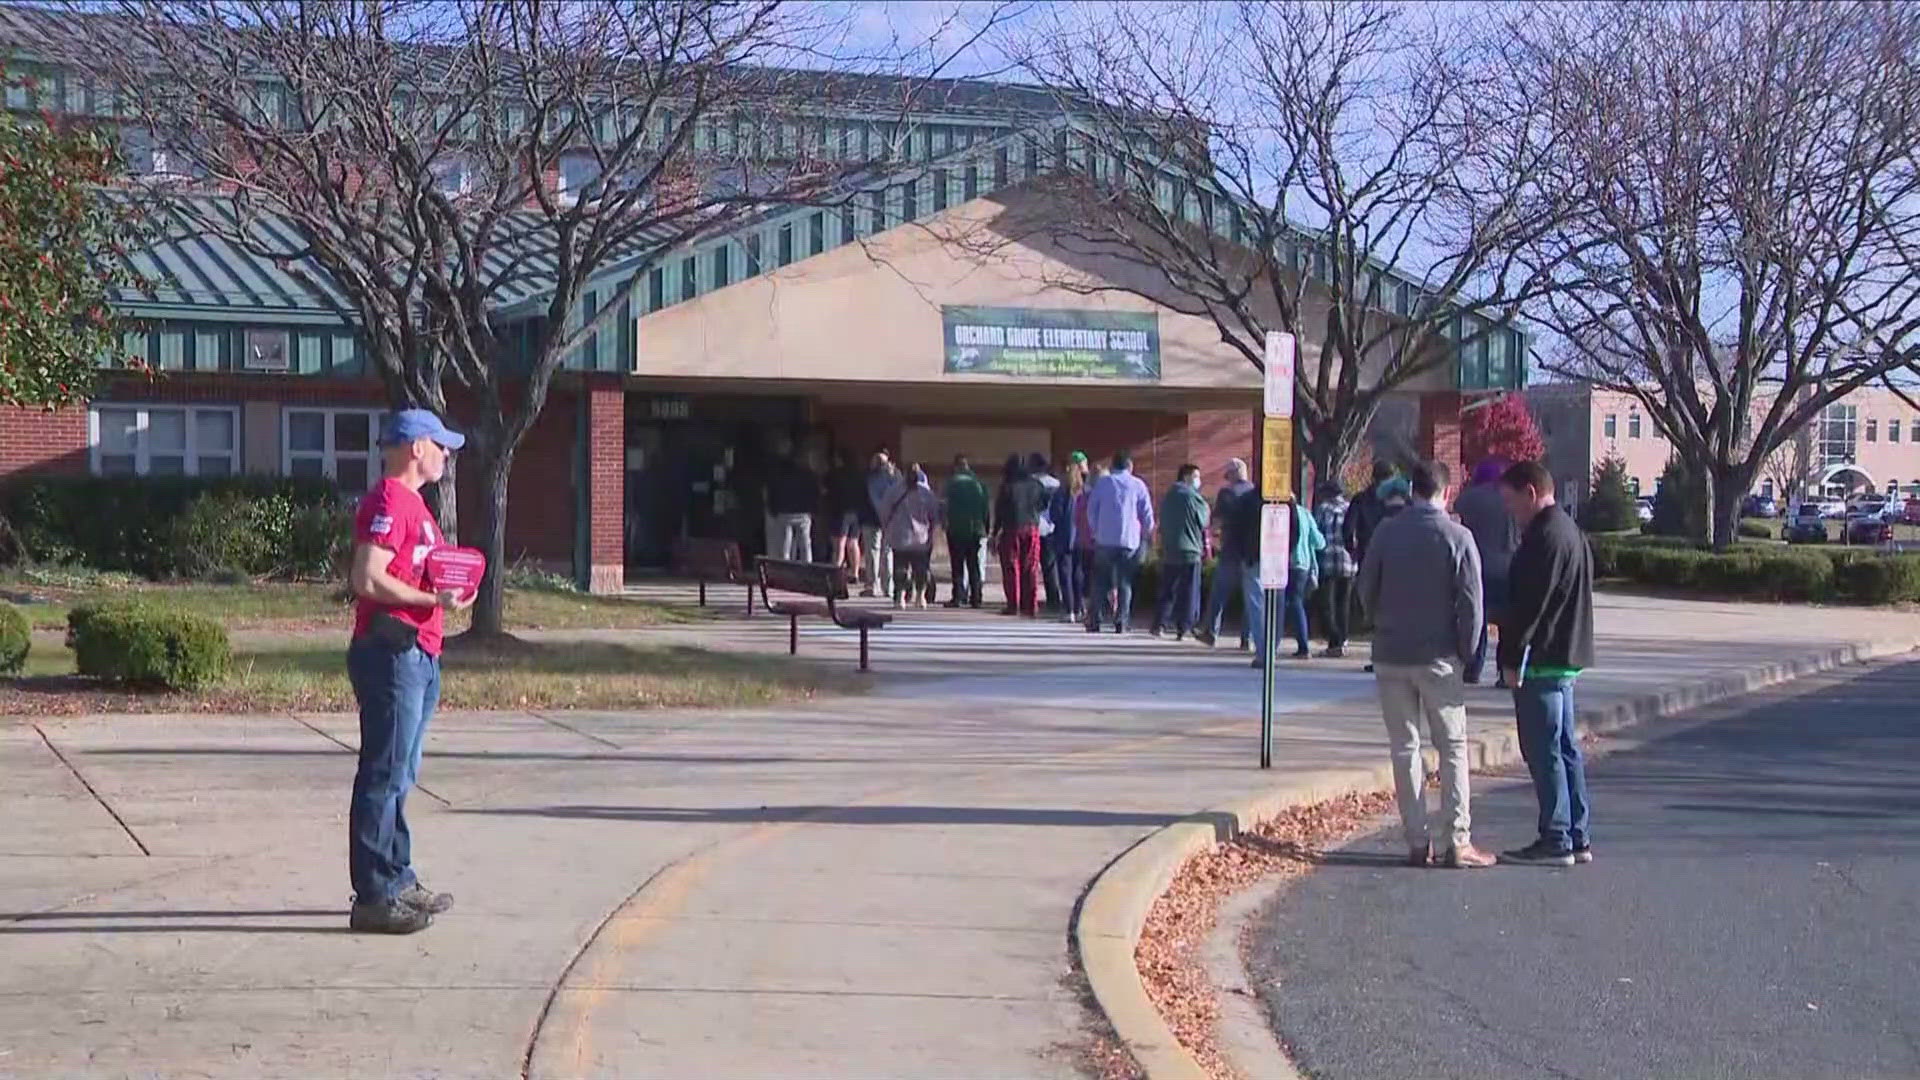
{"x": 829, "y": 585}
{"x": 707, "y": 560}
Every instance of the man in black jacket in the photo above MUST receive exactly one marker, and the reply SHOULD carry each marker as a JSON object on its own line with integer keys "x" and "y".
{"x": 1546, "y": 640}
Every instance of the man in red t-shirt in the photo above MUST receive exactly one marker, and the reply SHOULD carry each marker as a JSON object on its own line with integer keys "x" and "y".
{"x": 394, "y": 664}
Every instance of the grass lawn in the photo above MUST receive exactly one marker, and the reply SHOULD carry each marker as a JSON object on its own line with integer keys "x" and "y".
{"x": 274, "y": 606}
{"x": 523, "y": 675}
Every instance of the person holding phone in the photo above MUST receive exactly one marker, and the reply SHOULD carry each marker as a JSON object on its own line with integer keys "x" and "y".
{"x": 394, "y": 665}
{"x": 1546, "y": 640}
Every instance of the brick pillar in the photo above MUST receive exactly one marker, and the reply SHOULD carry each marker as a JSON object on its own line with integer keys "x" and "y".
{"x": 606, "y": 433}
{"x": 38, "y": 441}
{"x": 1440, "y": 431}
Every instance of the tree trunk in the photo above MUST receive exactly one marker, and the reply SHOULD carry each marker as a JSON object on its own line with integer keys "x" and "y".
{"x": 490, "y": 536}
{"x": 446, "y": 500}
{"x": 1724, "y": 494}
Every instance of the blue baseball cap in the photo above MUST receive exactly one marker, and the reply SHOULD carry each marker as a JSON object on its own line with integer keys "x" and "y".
{"x": 409, "y": 424}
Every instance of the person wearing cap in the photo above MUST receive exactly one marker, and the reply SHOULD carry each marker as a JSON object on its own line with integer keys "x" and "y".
{"x": 393, "y": 663}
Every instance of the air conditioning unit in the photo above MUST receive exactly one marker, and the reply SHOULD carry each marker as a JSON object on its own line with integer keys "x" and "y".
{"x": 266, "y": 350}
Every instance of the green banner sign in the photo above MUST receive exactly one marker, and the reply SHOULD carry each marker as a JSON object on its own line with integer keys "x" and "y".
{"x": 1049, "y": 343}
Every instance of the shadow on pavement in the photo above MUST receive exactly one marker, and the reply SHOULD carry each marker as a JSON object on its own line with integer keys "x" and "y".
{"x": 110, "y": 922}
{"x": 844, "y": 815}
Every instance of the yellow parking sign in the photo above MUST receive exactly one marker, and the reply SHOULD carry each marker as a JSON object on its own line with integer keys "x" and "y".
{"x": 1276, "y": 458}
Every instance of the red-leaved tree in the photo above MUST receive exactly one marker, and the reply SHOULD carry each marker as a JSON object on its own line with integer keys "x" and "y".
{"x": 1503, "y": 428}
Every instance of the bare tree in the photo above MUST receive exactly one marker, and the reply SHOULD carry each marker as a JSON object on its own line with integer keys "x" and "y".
{"x": 462, "y": 174}
{"x": 1743, "y": 188}
{"x": 1327, "y": 169}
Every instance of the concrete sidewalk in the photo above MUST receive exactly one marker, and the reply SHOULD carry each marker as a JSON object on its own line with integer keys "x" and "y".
{"x": 873, "y": 886}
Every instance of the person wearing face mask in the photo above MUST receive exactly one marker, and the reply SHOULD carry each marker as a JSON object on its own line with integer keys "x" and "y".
{"x": 1183, "y": 540}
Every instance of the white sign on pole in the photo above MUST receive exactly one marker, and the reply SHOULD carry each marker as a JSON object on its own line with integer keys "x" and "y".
{"x": 1276, "y": 544}
{"x": 1279, "y": 361}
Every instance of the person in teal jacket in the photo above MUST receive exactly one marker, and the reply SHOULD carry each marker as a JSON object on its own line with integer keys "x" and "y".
{"x": 966, "y": 517}
{"x": 1303, "y": 573}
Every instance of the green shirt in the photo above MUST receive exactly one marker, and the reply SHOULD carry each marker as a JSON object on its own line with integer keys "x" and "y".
{"x": 1183, "y": 524}
{"x": 967, "y": 505}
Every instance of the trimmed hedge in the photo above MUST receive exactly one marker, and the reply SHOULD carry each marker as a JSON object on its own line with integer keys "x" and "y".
{"x": 1762, "y": 572}
{"x": 133, "y": 524}
{"x": 127, "y": 642}
{"x": 15, "y": 639}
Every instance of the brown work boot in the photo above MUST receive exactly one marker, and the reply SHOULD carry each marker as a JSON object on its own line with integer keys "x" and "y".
{"x": 1467, "y": 857}
{"x": 1420, "y": 857}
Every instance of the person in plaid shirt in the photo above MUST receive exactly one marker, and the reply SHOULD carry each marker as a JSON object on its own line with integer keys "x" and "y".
{"x": 1337, "y": 567}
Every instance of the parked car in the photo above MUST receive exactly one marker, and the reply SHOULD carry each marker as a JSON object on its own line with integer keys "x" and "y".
{"x": 1872, "y": 506}
{"x": 1644, "y": 507}
{"x": 1808, "y": 525}
{"x": 1761, "y": 506}
{"x": 1832, "y": 508}
{"x": 1910, "y": 512}
{"x": 1869, "y": 528}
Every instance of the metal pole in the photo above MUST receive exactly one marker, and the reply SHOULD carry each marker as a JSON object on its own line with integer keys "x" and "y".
{"x": 1271, "y": 620}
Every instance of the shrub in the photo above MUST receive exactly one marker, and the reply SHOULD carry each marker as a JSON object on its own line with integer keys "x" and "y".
{"x": 60, "y": 519}
{"x": 15, "y": 640}
{"x": 1679, "y": 505}
{"x": 225, "y": 531}
{"x": 143, "y": 646}
{"x": 1877, "y": 579}
{"x": 1754, "y": 529}
{"x": 1612, "y": 507}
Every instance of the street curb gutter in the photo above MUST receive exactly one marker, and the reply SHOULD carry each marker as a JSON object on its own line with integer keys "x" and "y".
{"x": 1110, "y": 921}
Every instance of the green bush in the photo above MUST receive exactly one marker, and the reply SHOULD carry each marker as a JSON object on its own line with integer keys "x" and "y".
{"x": 128, "y": 523}
{"x": 15, "y": 639}
{"x": 1612, "y": 507}
{"x": 225, "y": 534}
{"x": 1755, "y": 529}
{"x": 147, "y": 647}
{"x": 1877, "y": 579}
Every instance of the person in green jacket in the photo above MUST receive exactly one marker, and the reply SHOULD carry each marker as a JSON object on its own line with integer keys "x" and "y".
{"x": 1183, "y": 538}
{"x": 966, "y": 517}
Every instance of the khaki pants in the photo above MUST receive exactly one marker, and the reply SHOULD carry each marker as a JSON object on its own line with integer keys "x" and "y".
{"x": 1433, "y": 692}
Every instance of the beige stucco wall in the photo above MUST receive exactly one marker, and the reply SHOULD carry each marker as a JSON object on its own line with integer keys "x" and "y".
{"x": 870, "y": 312}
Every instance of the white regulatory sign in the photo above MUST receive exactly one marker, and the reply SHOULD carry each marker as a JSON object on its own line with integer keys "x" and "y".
{"x": 1276, "y": 544}
{"x": 1279, "y": 362}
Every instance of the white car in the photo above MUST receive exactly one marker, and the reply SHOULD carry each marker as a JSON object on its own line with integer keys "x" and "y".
{"x": 1833, "y": 508}
{"x": 1644, "y": 507}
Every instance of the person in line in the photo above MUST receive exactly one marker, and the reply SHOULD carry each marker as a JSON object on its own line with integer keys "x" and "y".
{"x": 393, "y": 663}
{"x": 966, "y": 521}
{"x": 1303, "y": 573}
{"x": 1482, "y": 508}
{"x": 1086, "y": 550}
{"x": 793, "y": 494}
{"x": 1017, "y": 511}
{"x": 1236, "y": 514}
{"x": 881, "y": 478}
{"x": 1065, "y": 512}
{"x": 1546, "y": 640}
{"x": 1337, "y": 567}
{"x": 909, "y": 517}
{"x": 1420, "y": 582}
{"x": 846, "y": 498}
{"x": 1386, "y": 496}
{"x": 1041, "y": 470}
{"x": 1120, "y": 511}
{"x": 1183, "y": 541}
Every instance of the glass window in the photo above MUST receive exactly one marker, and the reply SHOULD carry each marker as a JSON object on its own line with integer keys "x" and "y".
{"x": 784, "y": 254}
{"x": 817, "y": 231}
{"x": 1893, "y": 431}
{"x": 847, "y": 228}
{"x": 334, "y": 443}
{"x": 1838, "y": 432}
{"x": 970, "y": 188}
{"x": 1403, "y": 299}
{"x": 877, "y": 215}
{"x": 909, "y": 199}
{"x": 1913, "y": 434}
{"x": 1873, "y": 431}
{"x": 576, "y": 172}
{"x": 689, "y": 278}
{"x": 1633, "y": 425}
{"x": 939, "y": 190}
{"x": 656, "y": 289}
{"x": 175, "y": 440}
{"x": 1000, "y": 166}
{"x": 1611, "y": 425}
{"x": 752, "y": 246}
{"x": 722, "y": 266}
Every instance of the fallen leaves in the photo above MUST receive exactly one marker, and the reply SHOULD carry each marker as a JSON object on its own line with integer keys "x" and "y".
{"x": 1176, "y": 930}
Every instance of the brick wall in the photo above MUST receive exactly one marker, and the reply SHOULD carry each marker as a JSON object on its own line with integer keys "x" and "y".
{"x": 1440, "y": 431}
{"x": 606, "y": 483}
{"x": 36, "y": 441}
{"x": 1216, "y": 436}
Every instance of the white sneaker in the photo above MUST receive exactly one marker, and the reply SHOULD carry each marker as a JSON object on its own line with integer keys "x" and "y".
{"x": 898, "y": 604}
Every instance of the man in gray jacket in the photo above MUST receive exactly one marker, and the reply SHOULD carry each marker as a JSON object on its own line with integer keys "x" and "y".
{"x": 1420, "y": 582}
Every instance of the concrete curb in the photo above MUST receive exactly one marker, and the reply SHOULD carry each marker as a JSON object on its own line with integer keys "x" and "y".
{"x": 1109, "y": 924}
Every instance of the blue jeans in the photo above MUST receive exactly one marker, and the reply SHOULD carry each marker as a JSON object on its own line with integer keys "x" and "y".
{"x": 1113, "y": 571}
{"x": 1493, "y": 596}
{"x": 1231, "y": 573}
{"x": 397, "y": 692}
{"x": 1179, "y": 605}
{"x": 1295, "y": 611}
{"x": 1543, "y": 708}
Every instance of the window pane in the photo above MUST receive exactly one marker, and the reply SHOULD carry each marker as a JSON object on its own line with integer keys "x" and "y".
{"x": 305, "y": 466}
{"x": 166, "y": 465}
{"x": 117, "y": 430}
{"x": 167, "y": 430}
{"x": 306, "y": 432}
{"x": 352, "y": 473}
{"x": 212, "y": 430}
{"x": 352, "y": 431}
{"x": 214, "y": 465}
{"x": 116, "y": 464}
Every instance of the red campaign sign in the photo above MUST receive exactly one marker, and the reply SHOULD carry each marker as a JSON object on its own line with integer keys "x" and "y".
{"x": 456, "y": 568}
